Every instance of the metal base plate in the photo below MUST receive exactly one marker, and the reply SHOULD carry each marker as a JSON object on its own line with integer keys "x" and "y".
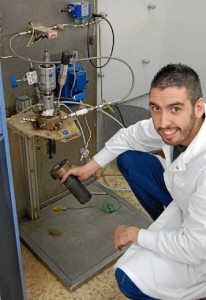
{"x": 77, "y": 243}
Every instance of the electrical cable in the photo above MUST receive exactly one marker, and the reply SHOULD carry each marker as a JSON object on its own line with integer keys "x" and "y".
{"x": 101, "y": 78}
{"x": 100, "y": 70}
{"x": 85, "y": 143}
{"x": 117, "y": 121}
{"x": 79, "y": 124}
{"x": 94, "y": 30}
{"x": 111, "y": 206}
{"x": 90, "y": 133}
{"x": 124, "y": 62}
{"x": 59, "y": 95}
{"x": 101, "y": 110}
{"x": 24, "y": 110}
{"x": 29, "y": 44}
{"x": 12, "y": 50}
{"x": 75, "y": 77}
{"x": 74, "y": 102}
{"x": 120, "y": 114}
{"x": 6, "y": 57}
{"x": 94, "y": 6}
{"x": 114, "y": 189}
{"x": 88, "y": 40}
{"x": 103, "y": 175}
{"x": 60, "y": 207}
{"x": 83, "y": 25}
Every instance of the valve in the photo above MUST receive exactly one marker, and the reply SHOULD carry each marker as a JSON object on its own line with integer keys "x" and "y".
{"x": 13, "y": 82}
{"x": 81, "y": 11}
{"x": 31, "y": 78}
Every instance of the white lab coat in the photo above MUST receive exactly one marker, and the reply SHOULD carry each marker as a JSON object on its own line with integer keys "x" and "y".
{"x": 169, "y": 260}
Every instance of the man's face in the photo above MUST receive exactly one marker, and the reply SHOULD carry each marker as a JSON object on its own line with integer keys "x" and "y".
{"x": 174, "y": 117}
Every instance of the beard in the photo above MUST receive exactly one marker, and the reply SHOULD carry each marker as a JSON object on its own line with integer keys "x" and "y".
{"x": 184, "y": 134}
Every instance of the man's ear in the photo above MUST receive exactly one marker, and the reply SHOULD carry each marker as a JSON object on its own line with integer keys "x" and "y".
{"x": 199, "y": 108}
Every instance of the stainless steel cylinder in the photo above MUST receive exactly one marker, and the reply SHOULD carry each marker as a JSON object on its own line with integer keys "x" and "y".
{"x": 48, "y": 101}
{"x": 47, "y": 77}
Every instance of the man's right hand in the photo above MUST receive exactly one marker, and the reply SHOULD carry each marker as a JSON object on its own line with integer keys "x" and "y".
{"x": 82, "y": 172}
{"x": 123, "y": 235}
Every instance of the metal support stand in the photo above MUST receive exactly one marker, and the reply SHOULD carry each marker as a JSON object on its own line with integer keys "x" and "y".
{"x": 28, "y": 155}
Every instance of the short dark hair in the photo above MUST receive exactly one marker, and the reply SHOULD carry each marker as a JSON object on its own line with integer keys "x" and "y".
{"x": 179, "y": 75}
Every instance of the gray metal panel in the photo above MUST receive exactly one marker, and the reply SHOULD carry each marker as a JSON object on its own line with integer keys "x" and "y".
{"x": 77, "y": 243}
{"x": 15, "y": 17}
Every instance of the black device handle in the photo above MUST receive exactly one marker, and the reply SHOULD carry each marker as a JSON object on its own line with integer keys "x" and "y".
{"x": 74, "y": 185}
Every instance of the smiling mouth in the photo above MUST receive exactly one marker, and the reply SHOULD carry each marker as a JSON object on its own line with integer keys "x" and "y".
{"x": 168, "y": 133}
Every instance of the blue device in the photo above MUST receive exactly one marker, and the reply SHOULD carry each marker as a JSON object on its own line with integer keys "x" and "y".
{"x": 80, "y": 11}
{"x": 75, "y": 84}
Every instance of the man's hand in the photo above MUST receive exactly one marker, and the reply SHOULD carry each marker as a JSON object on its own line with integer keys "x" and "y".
{"x": 123, "y": 235}
{"x": 82, "y": 172}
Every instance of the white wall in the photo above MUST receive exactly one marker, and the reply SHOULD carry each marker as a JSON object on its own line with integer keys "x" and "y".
{"x": 185, "y": 36}
{"x": 173, "y": 32}
{"x": 138, "y": 36}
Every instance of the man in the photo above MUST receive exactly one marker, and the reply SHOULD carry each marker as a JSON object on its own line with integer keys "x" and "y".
{"x": 168, "y": 260}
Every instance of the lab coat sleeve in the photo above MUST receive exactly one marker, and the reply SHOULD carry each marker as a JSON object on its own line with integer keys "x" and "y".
{"x": 141, "y": 136}
{"x": 186, "y": 242}
{"x": 171, "y": 218}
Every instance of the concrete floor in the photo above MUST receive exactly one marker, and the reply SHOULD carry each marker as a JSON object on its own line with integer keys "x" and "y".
{"x": 41, "y": 284}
